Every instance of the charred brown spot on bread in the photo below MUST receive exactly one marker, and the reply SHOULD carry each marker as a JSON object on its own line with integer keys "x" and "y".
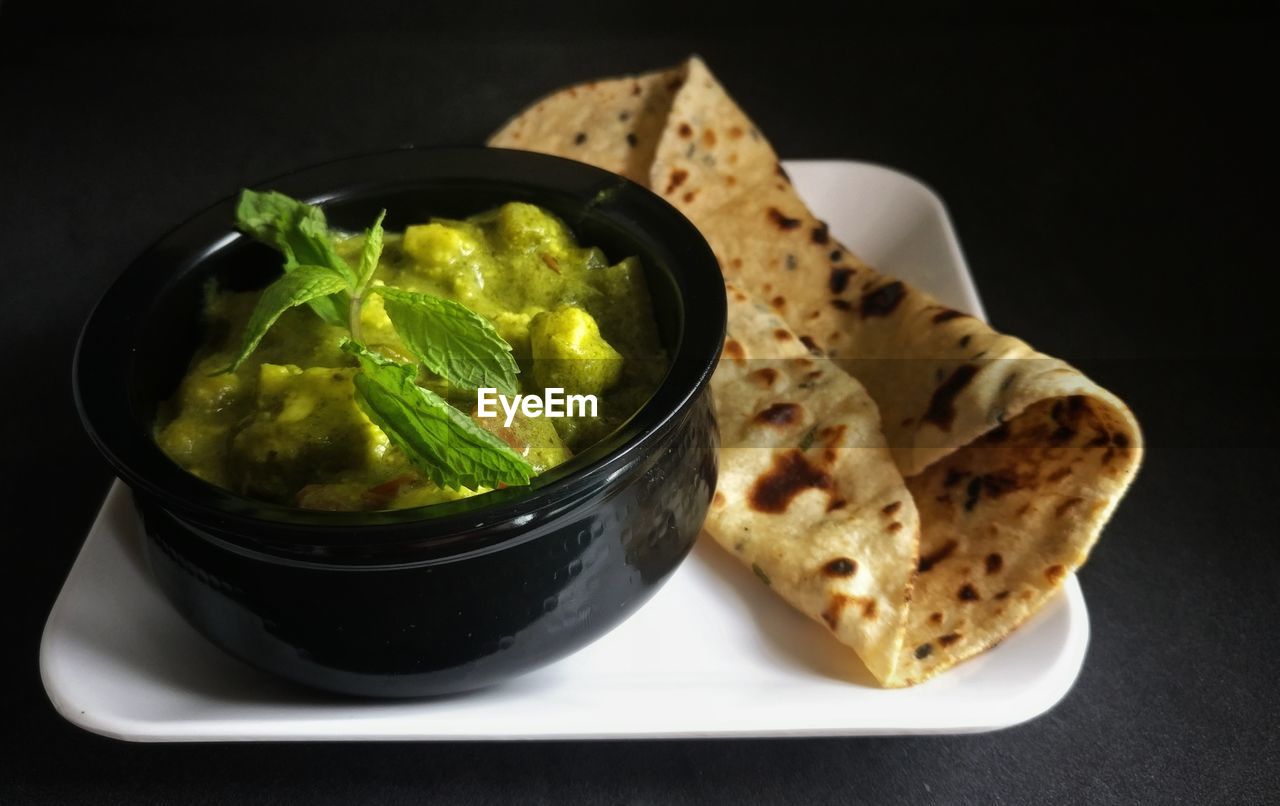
{"x": 870, "y": 609}
{"x": 998, "y": 434}
{"x": 765, "y": 377}
{"x": 883, "y": 300}
{"x": 790, "y": 475}
{"x": 842, "y": 304}
{"x": 675, "y": 83}
{"x": 942, "y": 405}
{"x": 838, "y": 281}
{"x": 782, "y": 334}
{"x": 812, "y": 345}
{"x": 1059, "y": 474}
{"x": 840, "y": 567}
{"x": 923, "y": 651}
{"x": 1066, "y": 505}
{"x": 677, "y": 179}
{"x": 948, "y": 639}
{"x": 954, "y": 476}
{"x": 708, "y": 137}
{"x": 685, "y": 130}
{"x": 779, "y": 302}
{"x": 1001, "y": 596}
{"x": 967, "y": 593}
{"x": 736, "y": 263}
{"x": 635, "y": 89}
{"x": 718, "y": 499}
{"x": 1054, "y": 574}
{"x": 889, "y": 509}
{"x": 928, "y": 561}
{"x": 835, "y": 608}
{"x": 1062, "y": 435}
{"x": 836, "y": 503}
{"x": 735, "y": 132}
{"x": 781, "y": 220}
{"x": 734, "y": 349}
{"x": 1000, "y": 482}
{"x": 820, "y": 234}
{"x": 894, "y": 527}
{"x": 579, "y": 138}
{"x": 1120, "y": 440}
{"x": 946, "y": 315}
{"x": 780, "y": 414}
{"x": 1069, "y": 411}
{"x": 994, "y": 563}
{"x": 835, "y": 256}
{"x": 690, "y": 195}
{"x": 964, "y": 341}
{"x": 935, "y": 617}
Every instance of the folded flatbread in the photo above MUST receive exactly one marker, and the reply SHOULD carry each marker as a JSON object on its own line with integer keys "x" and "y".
{"x": 1014, "y": 460}
{"x": 808, "y": 495}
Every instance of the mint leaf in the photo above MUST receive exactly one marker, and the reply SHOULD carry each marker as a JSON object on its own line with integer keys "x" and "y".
{"x": 370, "y": 252}
{"x": 451, "y": 340}
{"x": 303, "y": 284}
{"x": 265, "y": 215}
{"x": 301, "y": 232}
{"x": 442, "y": 442}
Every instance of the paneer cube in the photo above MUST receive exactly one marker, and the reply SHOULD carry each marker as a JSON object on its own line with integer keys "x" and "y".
{"x": 569, "y": 352}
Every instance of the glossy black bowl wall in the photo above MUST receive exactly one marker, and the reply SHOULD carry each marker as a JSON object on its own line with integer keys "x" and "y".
{"x": 407, "y": 630}
{"x": 458, "y": 595}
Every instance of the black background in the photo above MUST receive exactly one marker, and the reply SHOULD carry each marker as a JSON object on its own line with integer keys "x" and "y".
{"x": 1111, "y": 180}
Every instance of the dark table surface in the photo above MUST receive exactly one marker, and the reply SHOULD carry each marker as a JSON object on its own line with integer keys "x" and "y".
{"x": 1110, "y": 184}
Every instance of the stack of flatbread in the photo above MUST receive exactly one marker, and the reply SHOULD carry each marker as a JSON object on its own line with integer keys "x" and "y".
{"x": 895, "y": 469}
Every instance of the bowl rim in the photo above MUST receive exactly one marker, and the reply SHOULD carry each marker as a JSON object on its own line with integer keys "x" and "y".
{"x": 478, "y": 523}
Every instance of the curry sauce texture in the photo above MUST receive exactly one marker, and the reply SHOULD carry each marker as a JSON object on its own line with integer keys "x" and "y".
{"x": 284, "y": 426}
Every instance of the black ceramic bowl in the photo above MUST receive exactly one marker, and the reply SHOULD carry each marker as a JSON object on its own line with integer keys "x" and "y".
{"x": 443, "y": 598}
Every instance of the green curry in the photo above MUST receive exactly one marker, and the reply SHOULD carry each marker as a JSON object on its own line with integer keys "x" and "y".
{"x": 287, "y": 425}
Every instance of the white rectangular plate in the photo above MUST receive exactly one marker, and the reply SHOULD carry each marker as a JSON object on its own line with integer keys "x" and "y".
{"x": 713, "y": 654}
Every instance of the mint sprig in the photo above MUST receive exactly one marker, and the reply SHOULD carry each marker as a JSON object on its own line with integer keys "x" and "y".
{"x": 447, "y": 445}
{"x": 303, "y": 284}
{"x": 301, "y": 232}
{"x": 450, "y": 340}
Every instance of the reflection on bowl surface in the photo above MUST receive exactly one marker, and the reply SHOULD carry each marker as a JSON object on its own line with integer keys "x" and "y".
{"x": 457, "y": 595}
